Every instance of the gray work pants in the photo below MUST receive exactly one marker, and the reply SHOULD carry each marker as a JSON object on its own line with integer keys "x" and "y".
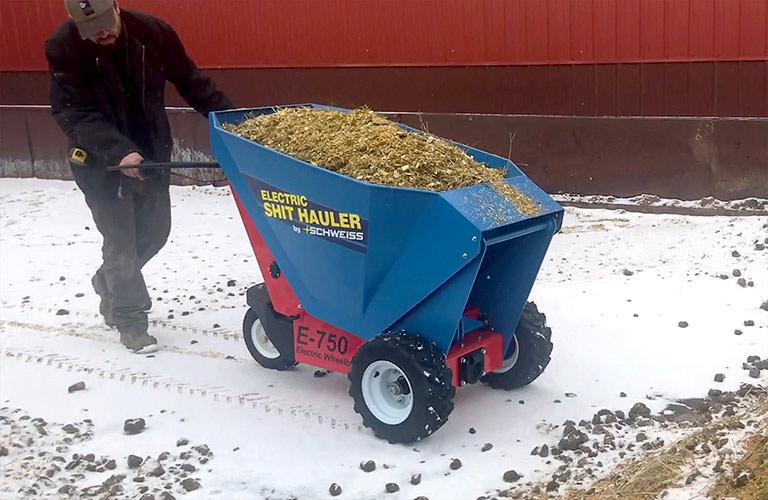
{"x": 135, "y": 227}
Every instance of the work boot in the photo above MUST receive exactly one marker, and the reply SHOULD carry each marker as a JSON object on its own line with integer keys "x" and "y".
{"x": 139, "y": 343}
{"x": 100, "y": 287}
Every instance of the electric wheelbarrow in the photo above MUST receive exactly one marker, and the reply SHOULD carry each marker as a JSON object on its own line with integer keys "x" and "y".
{"x": 411, "y": 293}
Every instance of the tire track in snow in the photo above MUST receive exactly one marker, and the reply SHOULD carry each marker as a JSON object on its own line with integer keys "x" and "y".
{"x": 216, "y": 394}
{"x": 217, "y": 333}
{"x": 83, "y": 331}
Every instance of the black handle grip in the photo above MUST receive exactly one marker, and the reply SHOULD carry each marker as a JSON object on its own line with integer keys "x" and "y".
{"x": 168, "y": 165}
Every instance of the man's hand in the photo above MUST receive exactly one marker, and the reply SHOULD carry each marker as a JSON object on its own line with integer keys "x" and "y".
{"x": 132, "y": 159}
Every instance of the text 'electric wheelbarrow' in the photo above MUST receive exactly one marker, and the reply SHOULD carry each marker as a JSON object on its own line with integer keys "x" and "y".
{"x": 411, "y": 293}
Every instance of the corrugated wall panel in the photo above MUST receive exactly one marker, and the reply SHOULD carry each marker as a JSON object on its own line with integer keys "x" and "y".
{"x": 606, "y": 89}
{"x": 558, "y": 30}
{"x": 332, "y": 33}
{"x": 754, "y": 28}
{"x": 582, "y": 41}
{"x": 701, "y": 92}
{"x": 677, "y": 27}
{"x": 23, "y": 28}
{"x": 676, "y": 90}
{"x": 652, "y": 81}
{"x": 581, "y": 90}
{"x": 536, "y": 43}
{"x": 628, "y": 30}
{"x": 702, "y": 41}
{"x": 727, "y": 28}
{"x": 753, "y": 91}
{"x": 515, "y": 27}
{"x": 701, "y": 89}
{"x": 494, "y": 23}
{"x": 727, "y": 89}
{"x": 605, "y": 35}
{"x": 652, "y": 29}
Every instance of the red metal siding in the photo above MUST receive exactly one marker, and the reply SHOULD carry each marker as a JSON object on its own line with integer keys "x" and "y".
{"x": 754, "y": 36}
{"x": 652, "y": 29}
{"x": 753, "y": 89}
{"x": 728, "y": 88}
{"x": 724, "y": 88}
{"x": 677, "y": 29}
{"x": 582, "y": 42}
{"x": 702, "y": 39}
{"x": 677, "y": 83}
{"x": 727, "y": 39}
{"x": 605, "y": 34}
{"x": 333, "y": 33}
{"x": 628, "y": 30}
{"x": 701, "y": 95}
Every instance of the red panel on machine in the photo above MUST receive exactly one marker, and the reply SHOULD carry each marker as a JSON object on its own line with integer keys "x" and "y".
{"x": 281, "y": 294}
{"x": 478, "y": 339}
{"x": 320, "y": 344}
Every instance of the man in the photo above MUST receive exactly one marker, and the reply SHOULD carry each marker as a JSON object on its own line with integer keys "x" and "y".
{"x": 108, "y": 69}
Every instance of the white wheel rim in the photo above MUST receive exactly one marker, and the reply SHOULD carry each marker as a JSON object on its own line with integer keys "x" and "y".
{"x": 262, "y": 343}
{"x": 510, "y": 362}
{"x": 387, "y": 392}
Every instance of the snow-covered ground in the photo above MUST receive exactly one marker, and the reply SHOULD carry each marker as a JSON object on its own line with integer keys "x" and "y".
{"x": 615, "y": 287}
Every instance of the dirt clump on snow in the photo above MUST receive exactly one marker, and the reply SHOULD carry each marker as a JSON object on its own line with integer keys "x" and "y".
{"x": 42, "y": 459}
{"x": 134, "y": 426}
{"x": 368, "y": 147}
{"x": 79, "y": 386}
{"x": 755, "y": 365}
{"x": 368, "y": 466}
{"x": 334, "y": 490}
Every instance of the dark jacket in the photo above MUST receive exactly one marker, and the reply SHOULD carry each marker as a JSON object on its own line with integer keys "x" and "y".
{"x": 89, "y": 102}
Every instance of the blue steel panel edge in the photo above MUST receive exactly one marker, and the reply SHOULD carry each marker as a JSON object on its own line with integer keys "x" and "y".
{"x": 488, "y": 209}
{"x": 439, "y": 314}
{"x": 395, "y": 284}
{"x": 240, "y": 186}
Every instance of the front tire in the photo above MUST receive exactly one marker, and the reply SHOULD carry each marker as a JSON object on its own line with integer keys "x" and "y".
{"x": 401, "y": 387}
{"x": 528, "y": 354}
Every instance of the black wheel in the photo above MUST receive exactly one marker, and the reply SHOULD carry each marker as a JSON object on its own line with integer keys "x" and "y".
{"x": 528, "y": 354}
{"x": 401, "y": 387}
{"x": 261, "y": 346}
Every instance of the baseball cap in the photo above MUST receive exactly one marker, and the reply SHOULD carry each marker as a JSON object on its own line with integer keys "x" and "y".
{"x": 92, "y": 16}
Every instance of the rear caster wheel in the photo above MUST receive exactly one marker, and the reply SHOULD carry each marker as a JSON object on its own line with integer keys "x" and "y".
{"x": 261, "y": 347}
{"x": 401, "y": 387}
{"x": 529, "y": 352}
{"x": 268, "y": 334}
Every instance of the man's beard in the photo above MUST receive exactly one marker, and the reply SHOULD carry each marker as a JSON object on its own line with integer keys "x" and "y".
{"x": 108, "y": 43}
